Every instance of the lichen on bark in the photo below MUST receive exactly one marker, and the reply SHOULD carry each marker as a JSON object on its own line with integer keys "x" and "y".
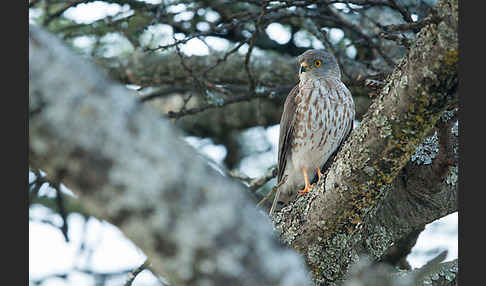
{"x": 422, "y": 86}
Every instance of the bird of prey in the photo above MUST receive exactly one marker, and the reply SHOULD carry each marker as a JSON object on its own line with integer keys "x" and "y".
{"x": 318, "y": 115}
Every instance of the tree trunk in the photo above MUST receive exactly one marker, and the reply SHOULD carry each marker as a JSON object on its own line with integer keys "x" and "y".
{"x": 364, "y": 205}
{"x": 196, "y": 226}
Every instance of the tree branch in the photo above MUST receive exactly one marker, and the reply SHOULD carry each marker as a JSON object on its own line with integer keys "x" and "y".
{"x": 329, "y": 225}
{"x": 130, "y": 166}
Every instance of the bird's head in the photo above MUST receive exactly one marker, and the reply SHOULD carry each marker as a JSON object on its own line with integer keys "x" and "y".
{"x": 317, "y": 64}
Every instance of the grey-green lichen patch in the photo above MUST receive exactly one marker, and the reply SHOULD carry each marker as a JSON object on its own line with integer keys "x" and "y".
{"x": 290, "y": 233}
{"x": 449, "y": 276}
{"x": 378, "y": 241}
{"x": 447, "y": 271}
{"x": 190, "y": 214}
{"x": 313, "y": 253}
{"x": 426, "y": 152}
{"x": 341, "y": 169}
{"x": 330, "y": 258}
{"x": 384, "y": 127}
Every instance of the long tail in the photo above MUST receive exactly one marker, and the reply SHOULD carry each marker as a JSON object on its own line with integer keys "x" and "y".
{"x": 275, "y": 200}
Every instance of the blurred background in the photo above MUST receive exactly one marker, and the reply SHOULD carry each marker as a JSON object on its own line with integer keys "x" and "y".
{"x": 77, "y": 249}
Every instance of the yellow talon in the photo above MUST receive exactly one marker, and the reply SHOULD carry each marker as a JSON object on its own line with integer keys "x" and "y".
{"x": 307, "y": 187}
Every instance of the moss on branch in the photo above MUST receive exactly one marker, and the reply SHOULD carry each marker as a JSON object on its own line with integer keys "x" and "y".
{"x": 418, "y": 91}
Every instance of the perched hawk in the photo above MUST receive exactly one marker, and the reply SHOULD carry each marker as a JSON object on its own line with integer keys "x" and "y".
{"x": 318, "y": 115}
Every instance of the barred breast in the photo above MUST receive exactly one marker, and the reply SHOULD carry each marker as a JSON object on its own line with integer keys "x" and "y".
{"x": 324, "y": 115}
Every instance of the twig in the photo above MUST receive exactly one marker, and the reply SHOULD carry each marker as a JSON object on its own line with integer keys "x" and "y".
{"x": 331, "y": 50}
{"x": 164, "y": 92}
{"x": 62, "y": 209}
{"x": 35, "y": 186}
{"x": 225, "y": 57}
{"x": 256, "y": 183}
{"x": 247, "y": 61}
{"x": 227, "y": 101}
{"x": 252, "y": 44}
{"x": 133, "y": 274}
{"x": 59, "y": 12}
{"x": 357, "y": 29}
{"x": 191, "y": 111}
{"x": 405, "y": 14}
{"x": 175, "y": 44}
{"x": 415, "y": 26}
{"x": 100, "y": 277}
{"x": 44, "y": 221}
{"x": 399, "y": 39}
{"x": 239, "y": 175}
{"x": 374, "y": 84}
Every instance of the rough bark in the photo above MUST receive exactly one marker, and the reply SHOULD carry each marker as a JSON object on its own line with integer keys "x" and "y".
{"x": 129, "y": 166}
{"x": 340, "y": 218}
{"x": 423, "y": 191}
{"x": 132, "y": 168}
{"x": 434, "y": 273}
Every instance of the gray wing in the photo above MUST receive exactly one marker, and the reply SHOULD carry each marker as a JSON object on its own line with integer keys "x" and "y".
{"x": 286, "y": 131}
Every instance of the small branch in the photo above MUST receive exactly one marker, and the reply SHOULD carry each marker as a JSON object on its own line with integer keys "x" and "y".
{"x": 374, "y": 84}
{"x": 251, "y": 79}
{"x": 98, "y": 276}
{"x": 169, "y": 177}
{"x": 35, "y": 186}
{"x": 58, "y": 13}
{"x": 62, "y": 209}
{"x": 357, "y": 29}
{"x": 405, "y": 14}
{"x": 256, "y": 183}
{"x": 415, "y": 26}
{"x": 133, "y": 274}
{"x": 331, "y": 49}
{"x": 227, "y": 101}
{"x": 175, "y": 44}
{"x": 44, "y": 221}
{"x": 164, "y": 92}
{"x": 225, "y": 57}
{"x": 399, "y": 39}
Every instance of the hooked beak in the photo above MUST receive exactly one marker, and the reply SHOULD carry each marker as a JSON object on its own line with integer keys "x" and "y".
{"x": 303, "y": 67}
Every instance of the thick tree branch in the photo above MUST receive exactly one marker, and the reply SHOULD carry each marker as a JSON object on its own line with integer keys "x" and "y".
{"x": 434, "y": 273}
{"x": 329, "y": 227}
{"x": 132, "y": 168}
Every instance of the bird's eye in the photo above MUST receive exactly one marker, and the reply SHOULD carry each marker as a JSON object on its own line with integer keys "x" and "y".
{"x": 317, "y": 63}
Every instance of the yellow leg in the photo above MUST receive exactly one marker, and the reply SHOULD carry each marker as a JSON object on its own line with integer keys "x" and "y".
{"x": 307, "y": 187}
{"x": 319, "y": 174}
